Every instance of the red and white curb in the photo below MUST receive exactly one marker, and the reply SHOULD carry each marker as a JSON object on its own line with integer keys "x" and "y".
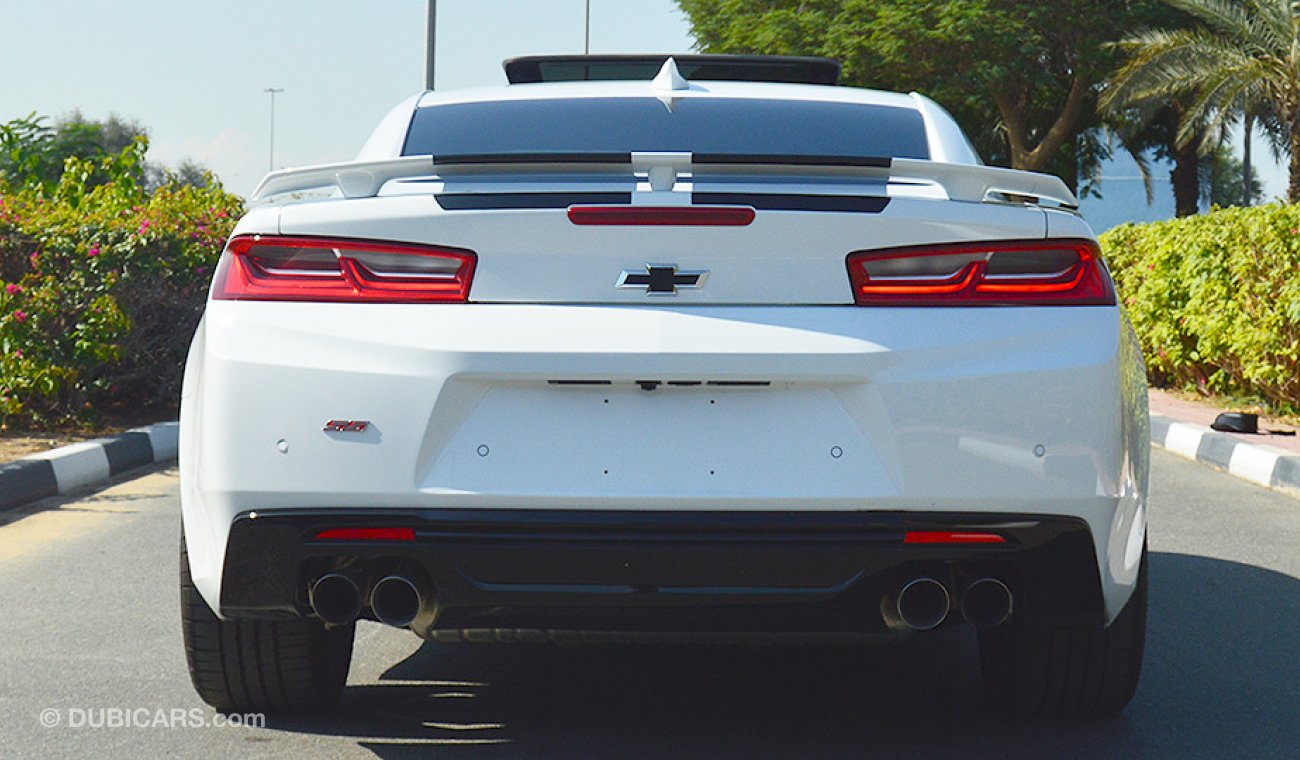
{"x": 67, "y": 468}
{"x": 1260, "y": 464}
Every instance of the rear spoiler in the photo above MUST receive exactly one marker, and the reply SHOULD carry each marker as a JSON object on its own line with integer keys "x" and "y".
{"x": 694, "y": 66}
{"x": 961, "y": 182}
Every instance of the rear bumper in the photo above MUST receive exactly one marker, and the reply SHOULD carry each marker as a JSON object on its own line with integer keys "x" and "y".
{"x": 767, "y": 409}
{"x": 800, "y": 572}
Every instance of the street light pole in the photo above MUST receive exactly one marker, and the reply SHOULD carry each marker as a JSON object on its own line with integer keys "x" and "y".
{"x": 272, "y": 91}
{"x": 586, "y": 36}
{"x": 431, "y": 45}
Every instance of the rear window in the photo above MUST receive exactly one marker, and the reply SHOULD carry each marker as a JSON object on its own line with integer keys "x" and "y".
{"x": 697, "y": 125}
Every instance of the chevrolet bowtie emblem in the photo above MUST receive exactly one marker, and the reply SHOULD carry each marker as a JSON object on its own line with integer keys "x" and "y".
{"x": 661, "y": 279}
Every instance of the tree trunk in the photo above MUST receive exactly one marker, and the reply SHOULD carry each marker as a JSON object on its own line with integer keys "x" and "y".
{"x": 1065, "y": 127}
{"x": 1293, "y": 189}
{"x": 1247, "y": 198}
{"x": 1186, "y": 180}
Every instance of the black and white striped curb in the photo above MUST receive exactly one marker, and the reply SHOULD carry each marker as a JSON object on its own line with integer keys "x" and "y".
{"x": 1260, "y": 464}
{"x": 81, "y": 464}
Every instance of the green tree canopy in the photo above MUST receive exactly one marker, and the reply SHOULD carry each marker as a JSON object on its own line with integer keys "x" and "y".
{"x": 1223, "y": 176}
{"x": 33, "y": 152}
{"x": 1019, "y": 76}
{"x": 1244, "y": 57}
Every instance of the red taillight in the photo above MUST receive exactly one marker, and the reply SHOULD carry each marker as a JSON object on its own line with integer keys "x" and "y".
{"x": 950, "y": 537}
{"x": 366, "y": 534}
{"x": 1046, "y": 272}
{"x": 271, "y": 268}
{"x": 666, "y": 216}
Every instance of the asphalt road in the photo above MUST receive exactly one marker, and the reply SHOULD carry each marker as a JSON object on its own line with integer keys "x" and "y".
{"x": 89, "y": 624}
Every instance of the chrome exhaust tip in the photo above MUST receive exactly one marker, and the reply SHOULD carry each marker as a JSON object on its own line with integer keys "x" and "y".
{"x": 395, "y": 601}
{"x": 923, "y": 604}
{"x": 335, "y": 599}
{"x": 986, "y": 603}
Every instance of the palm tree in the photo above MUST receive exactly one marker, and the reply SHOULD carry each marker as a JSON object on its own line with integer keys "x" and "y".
{"x": 1244, "y": 58}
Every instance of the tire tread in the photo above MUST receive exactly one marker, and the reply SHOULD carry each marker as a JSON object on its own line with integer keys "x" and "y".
{"x": 261, "y": 666}
{"x": 1062, "y": 671}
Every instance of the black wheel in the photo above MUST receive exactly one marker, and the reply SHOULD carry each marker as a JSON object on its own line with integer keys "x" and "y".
{"x": 1068, "y": 670}
{"x": 261, "y": 666}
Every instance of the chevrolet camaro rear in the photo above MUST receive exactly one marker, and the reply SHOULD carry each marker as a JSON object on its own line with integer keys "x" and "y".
{"x": 661, "y": 359}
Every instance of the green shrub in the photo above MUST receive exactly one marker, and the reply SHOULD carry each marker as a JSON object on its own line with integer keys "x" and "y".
{"x": 1215, "y": 300}
{"x": 100, "y": 290}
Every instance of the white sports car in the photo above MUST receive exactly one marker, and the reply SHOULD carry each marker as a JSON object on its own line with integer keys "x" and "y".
{"x": 662, "y": 357}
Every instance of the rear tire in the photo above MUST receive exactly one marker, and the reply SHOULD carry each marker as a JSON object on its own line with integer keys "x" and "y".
{"x": 261, "y": 666}
{"x": 1056, "y": 671}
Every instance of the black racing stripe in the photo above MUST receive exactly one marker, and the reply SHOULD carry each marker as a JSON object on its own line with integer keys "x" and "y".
{"x": 759, "y": 159}
{"x": 477, "y": 201}
{"x": 533, "y": 158}
{"x": 794, "y": 202}
{"x": 128, "y": 451}
{"x": 26, "y": 480}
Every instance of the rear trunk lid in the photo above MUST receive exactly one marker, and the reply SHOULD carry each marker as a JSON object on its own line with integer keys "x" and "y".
{"x": 517, "y": 213}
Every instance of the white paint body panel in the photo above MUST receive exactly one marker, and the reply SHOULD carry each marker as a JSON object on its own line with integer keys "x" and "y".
{"x": 615, "y": 89}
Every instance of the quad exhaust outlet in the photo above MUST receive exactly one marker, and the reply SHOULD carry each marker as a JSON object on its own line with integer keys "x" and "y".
{"x": 395, "y": 601}
{"x": 986, "y": 603}
{"x": 335, "y": 599}
{"x": 923, "y": 604}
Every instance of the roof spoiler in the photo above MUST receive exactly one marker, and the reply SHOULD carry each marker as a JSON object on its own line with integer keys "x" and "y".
{"x": 788, "y": 69}
{"x": 961, "y": 182}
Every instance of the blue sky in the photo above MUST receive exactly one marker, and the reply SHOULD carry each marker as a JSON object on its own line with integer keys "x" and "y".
{"x": 194, "y": 72}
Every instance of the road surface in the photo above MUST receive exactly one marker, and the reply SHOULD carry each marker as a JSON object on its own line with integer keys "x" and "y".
{"x": 89, "y": 625}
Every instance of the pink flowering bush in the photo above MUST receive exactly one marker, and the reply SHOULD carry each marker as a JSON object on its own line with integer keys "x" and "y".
{"x": 100, "y": 290}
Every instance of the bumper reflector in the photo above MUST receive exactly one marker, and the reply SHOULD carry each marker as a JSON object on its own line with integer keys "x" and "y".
{"x": 950, "y": 537}
{"x": 366, "y": 534}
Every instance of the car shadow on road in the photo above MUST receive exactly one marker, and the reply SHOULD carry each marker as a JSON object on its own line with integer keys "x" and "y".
{"x": 1222, "y": 678}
